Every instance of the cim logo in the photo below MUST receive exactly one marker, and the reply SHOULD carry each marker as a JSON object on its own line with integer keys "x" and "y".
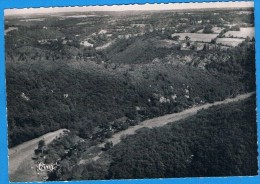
{"x": 47, "y": 167}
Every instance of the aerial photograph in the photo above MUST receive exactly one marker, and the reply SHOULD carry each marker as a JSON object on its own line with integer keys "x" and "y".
{"x": 131, "y": 91}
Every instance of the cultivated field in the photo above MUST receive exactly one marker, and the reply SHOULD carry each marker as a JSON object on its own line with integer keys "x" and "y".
{"x": 217, "y": 30}
{"x": 79, "y": 16}
{"x": 196, "y": 37}
{"x": 233, "y": 42}
{"x": 243, "y": 33}
{"x": 32, "y": 20}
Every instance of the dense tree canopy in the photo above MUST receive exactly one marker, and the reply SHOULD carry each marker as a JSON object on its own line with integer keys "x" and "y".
{"x": 199, "y": 146}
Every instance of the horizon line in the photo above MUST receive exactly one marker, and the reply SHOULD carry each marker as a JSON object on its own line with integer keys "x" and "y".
{"x": 131, "y": 7}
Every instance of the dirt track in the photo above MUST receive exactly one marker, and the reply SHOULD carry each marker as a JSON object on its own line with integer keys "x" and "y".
{"x": 25, "y": 151}
{"x": 163, "y": 120}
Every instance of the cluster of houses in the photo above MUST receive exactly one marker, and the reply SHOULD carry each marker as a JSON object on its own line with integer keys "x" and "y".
{"x": 199, "y": 46}
{"x": 47, "y": 41}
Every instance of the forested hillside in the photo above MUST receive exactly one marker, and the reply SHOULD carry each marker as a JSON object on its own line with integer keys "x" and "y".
{"x": 82, "y": 96}
{"x": 84, "y": 73}
{"x": 107, "y": 77}
{"x": 198, "y": 146}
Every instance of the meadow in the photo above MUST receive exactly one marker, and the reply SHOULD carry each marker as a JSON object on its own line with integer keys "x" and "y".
{"x": 233, "y": 42}
{"x": 196, "y": 37}
{"x": 243, "y": 33}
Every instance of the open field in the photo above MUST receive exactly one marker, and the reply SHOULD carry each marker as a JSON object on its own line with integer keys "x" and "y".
{"x": 200, "y": 31}
{"x": 31, "y": 20}
{"x": 217, "y": 30}
{"x": 106, "y": 45}
{"x": 196, "y": 37}
{"x": 79, "y": 16}
{"x": 243, "y": 33}
{"x": 233, "y": 42}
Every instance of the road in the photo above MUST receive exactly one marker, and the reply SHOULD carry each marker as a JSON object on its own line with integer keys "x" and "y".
{"x": 25, "y": 151}
{"x": 164, "y": 120}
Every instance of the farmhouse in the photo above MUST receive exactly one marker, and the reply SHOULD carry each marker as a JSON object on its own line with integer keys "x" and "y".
{"x": 47, "y": 41}
{"x": 103, "y": 31}
{"x": 85, "y": 43}
{"x": 25, "y": 97}
{"x": 184, "y": 46}
{"x": 199, "y": 46}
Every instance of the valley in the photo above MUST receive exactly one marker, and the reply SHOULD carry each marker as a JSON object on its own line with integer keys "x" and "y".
{"x": 84, "y": 86}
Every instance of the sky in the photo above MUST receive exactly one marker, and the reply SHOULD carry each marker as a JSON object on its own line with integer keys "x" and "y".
{"x": 170, "y": 6}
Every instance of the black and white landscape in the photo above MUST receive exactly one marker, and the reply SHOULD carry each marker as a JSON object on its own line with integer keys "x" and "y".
{"x": 108, "y": 94}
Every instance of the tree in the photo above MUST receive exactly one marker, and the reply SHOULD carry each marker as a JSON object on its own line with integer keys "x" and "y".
{"x": 41, "y": 144}
{"x": 213, "y": 41}
{"x": 176, "y": 38}
{"x": 192, "y": 47}
{"x": 208, "y": 29}
{"x": 108, "y": 145}
{"x": 187, "y": 38}
{"x": 235, "y": 28}
{"x": 247, "y": 39}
